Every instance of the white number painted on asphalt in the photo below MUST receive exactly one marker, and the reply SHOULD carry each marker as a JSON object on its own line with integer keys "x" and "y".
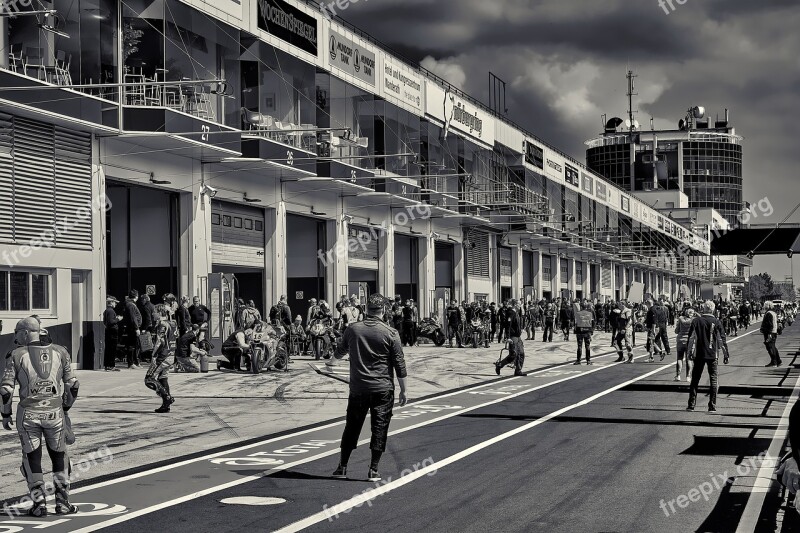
{"x": 423, "y": 410}
{"x": 508, "y": 389}
{"x": 205, "y": 129}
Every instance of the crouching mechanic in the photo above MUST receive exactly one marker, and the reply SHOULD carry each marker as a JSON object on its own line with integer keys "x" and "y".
{"x": 47, "y": 389}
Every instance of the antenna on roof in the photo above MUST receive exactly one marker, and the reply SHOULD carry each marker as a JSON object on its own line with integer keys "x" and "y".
{"x": 631, "y": 123}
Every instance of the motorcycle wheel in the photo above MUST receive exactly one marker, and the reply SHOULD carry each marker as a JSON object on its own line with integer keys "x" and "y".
{"x": 474, "y": 340}
{"x": 256, "y": 361}
{"x": 439, "y": 338}
{"x": 281, "y": 358}
{"x": 317, "y": 349}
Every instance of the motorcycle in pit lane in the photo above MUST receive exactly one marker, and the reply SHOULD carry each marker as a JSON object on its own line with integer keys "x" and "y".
{"x": 268, "y": 349}
{"x": 430, "y": 329}
{"x": 478, "y": 332}
{"x": 321, "y": 339}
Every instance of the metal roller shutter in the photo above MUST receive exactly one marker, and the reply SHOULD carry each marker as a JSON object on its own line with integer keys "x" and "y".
{"x": 606, "y": 274}
{"x": 478, "y": 255}
{"x": 34, "y": 183}
{"x": 73, "y": 186}
{"x": 6, "y": 178}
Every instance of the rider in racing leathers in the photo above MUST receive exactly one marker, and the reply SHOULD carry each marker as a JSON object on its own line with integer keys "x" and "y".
{"x": 157, "y": 377}
{"x": 47, "y": 389}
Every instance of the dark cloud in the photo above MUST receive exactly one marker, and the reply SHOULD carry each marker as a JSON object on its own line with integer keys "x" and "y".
{"x": 564, "y": 62}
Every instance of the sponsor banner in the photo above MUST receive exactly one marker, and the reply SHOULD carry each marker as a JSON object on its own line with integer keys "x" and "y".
{"x": 229, "y": 7}
{"x": 601, "y": 191}
{"x": 555, "y": 169}
{"x": 534, "y": 155}
{"x": 587, "y": 184}
{"x": 401, "y": 83}
{"x": 459, "y": 114}
{"x": 288, "y": 23}
{"x": 625, "y": 203}
{"x": 572, "y": 176}
{"x": 351, "y": 57}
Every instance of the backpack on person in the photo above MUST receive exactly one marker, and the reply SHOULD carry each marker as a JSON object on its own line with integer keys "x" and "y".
{"x": 583, "y": 320}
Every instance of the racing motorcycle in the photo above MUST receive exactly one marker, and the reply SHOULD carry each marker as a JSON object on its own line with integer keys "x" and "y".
{"x": 321, "y": 335}
{"x": 430, "y": 329}
{"x": 478, "y": 333}
{"x": 268, "y": 350}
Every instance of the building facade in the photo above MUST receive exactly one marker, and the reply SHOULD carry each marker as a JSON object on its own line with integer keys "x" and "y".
{"x": 259, "y": 149}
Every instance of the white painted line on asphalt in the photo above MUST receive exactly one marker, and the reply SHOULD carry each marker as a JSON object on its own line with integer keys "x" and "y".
{"x": 286, "y": 466}
{"x": 363, "y": 498}
{"x": 755, "y": 502}
{"x": 333, "y": 424}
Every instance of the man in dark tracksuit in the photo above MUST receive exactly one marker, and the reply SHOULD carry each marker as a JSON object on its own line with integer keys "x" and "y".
{"x": 502, "y": 321}
{"x": 584, "y": 327}
{"x": 376, "y": 355}
{"x": 111, "y": 322}
{"x": 549, "y": 323}
{"x": 453, "y": 323}
{"x": 706, "y": 338}
{"x": 656, "y": 322}
{"x": 133, "y": 325}
{"x": 516, "y": 351}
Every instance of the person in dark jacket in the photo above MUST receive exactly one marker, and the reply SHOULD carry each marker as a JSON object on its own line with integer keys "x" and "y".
{"x": 584, "y": 328}
{"x": 376, "y": 356}
{"x": 706, "y": 339}
{"x": 656, "y": 322}
{"x": 132, "y": 319}
{"x": 769, "y": 327}
{"x": 502, "y": 322}
{"x": 111, "y": 322}
{"x": 516, "y": 350}
{"x": 198, "y": 312}
{"x": 566, "y": 318}
{"x": 549, "y": 322}
{"x": 454, "y": 323}
{"x": 182, "y": 317}
{"x": 148, "y": 312}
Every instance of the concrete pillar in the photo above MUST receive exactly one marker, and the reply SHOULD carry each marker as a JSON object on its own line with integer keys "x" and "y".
{"x": 517, "y": 273}
{"x": 276, "y": 276}
{"x": 199, "y": 236}
{"x": 537, "y": 273}
{"x": 571, "y": 276}
{"x": 96, "y": 290}
{"x": 459, "y": 275}
{"x": 386, "y": 261}
{"x": 427, "y": 275}
{"x": 336, "y": 272}
{"x": 555, "y": 269}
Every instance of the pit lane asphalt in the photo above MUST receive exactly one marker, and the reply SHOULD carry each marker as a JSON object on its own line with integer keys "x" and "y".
{"x": 603, "y": 465}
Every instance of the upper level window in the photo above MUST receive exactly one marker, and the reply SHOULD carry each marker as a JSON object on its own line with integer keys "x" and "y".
{"x": 24, "y": 291}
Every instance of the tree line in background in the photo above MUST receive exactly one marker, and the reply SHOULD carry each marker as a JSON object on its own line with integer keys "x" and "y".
{"x": 761, "y": 287}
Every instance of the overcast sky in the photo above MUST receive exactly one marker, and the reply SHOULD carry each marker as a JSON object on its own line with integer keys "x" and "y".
{"x": 564, "y": 62}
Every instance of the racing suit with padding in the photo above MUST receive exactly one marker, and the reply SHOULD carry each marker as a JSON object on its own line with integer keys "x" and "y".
{"x": 158, "y": 373}
{"x": 47, "y": 389}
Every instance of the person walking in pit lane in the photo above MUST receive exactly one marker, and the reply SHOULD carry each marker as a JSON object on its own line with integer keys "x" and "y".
{"x": 682, "y": 328}
{"x": 376, "y": 357}
{"x": 706, "y": 339}
{"x": 624, "y": 323}
{"x": 516, "y": 350}
{"x": 584, "y": 328}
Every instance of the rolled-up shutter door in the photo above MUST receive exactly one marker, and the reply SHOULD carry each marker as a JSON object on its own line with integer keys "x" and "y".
{"x": 6, "y": 179}
{"x": 73, "y": 187}
{"x": 478, "y": 255}
{"x": 34, "y": 184}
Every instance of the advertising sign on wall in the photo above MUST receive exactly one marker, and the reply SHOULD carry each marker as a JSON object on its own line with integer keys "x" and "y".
{"x": 288, "y": 23}
{"x": 401, "y": 82}
{"x": 351, "y": 57}
{"x": 572, "y": 176}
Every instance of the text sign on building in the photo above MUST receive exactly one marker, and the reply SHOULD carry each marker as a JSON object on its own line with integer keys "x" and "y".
{"x": 587, "y": 183}
{"x": 534, "y": 155}
{"x": 625, "y": 203}
{"x": 400, "y": 82}
{"x": 466, "y": 117}
{"x": 288, "y": 23}
{"x": 351, "y": 58}
{"x": 600, "y": 189}
{"x": 572, "y": 176}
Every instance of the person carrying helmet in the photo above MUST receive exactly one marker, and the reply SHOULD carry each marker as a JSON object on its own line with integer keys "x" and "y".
{"x": 47, "y": 390}
{"x": 624, "y": 323}
{"x": 584, "y": 327}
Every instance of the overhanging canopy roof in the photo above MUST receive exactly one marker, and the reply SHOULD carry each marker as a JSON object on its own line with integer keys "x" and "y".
{"x": 759, "y": 241}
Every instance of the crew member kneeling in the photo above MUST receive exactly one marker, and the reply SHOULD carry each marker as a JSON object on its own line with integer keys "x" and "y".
{"x": 47, "y": 389}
